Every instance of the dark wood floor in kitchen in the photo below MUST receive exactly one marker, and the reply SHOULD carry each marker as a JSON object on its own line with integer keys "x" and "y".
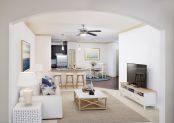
{"x": 110, "y": 84}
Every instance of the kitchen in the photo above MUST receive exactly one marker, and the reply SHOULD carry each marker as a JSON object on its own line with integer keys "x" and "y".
{"x": 71, "y": 57}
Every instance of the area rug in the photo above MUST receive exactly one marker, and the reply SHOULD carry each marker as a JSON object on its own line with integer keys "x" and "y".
{"x": 117, "y": 112}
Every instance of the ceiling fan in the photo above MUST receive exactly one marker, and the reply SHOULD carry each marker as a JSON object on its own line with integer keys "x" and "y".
{"x": 84, "y": 31}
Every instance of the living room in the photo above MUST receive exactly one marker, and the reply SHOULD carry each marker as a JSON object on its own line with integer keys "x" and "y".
{"x": 125, "y": 54}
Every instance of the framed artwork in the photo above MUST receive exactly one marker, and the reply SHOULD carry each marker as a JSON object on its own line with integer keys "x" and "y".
{"x": 92, "y": 54}
{"x": 25, "y": 55}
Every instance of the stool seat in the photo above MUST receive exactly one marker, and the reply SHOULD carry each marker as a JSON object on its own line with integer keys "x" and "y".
{"x": 70, "y": 74}
{"x": 80, "y": 73}
{"x": 57, "y": 74}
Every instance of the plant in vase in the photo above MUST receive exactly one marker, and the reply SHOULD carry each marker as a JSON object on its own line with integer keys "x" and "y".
{"x": 91, "y": 92}
{"x": 93, "y": 64}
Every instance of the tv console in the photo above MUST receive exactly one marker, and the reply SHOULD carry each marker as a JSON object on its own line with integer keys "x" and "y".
{"x": 143, "y": 96}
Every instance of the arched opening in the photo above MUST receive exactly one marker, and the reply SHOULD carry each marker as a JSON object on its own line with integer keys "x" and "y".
{"x": 99, "y": 26}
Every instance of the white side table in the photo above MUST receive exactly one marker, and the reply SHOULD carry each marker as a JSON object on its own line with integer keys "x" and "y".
{"x": 27, "y": 114}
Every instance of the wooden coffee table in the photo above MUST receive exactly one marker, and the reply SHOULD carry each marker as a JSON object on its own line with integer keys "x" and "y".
{"x": 85, "y": 101}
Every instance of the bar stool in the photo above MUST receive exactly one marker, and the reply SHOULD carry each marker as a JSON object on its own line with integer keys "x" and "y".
{"x": 71, "y": 75}
{"x": 59, "y": 75}
{"x": 82, "y": 75}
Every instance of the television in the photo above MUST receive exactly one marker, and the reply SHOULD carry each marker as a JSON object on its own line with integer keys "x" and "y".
{"x": 137, "y": 74}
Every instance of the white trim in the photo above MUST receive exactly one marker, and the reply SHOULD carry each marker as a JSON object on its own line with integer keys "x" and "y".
{"x": 163, "y": 78}
{"x": 10, "y": 73}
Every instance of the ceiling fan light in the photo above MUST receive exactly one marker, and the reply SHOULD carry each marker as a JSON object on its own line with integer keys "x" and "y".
{"x": 83, "y": 34}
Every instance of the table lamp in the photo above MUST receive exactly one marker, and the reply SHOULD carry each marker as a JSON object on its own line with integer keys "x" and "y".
{"x": 27, "y": 80}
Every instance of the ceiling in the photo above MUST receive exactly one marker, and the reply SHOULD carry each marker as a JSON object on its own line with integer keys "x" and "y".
{"x": 66, "y": 25}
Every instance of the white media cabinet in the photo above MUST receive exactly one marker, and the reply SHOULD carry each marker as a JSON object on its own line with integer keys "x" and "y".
{"x": 143, "y": 96}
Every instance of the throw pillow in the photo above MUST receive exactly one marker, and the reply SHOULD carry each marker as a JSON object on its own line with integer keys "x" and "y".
{"x": 50, "y": 79}
{"x": 48, "y": 90}
{"x": 46, "y": 82}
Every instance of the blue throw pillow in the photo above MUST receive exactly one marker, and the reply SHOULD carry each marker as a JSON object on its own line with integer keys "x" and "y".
{"x": 46, "y": 82}
{"x": 50, "y": 79}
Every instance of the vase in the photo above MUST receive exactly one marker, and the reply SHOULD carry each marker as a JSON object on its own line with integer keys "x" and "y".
{"x": 91, "y": 85}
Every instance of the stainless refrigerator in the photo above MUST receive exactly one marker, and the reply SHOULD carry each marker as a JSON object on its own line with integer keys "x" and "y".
{"x": 62, "y": 60}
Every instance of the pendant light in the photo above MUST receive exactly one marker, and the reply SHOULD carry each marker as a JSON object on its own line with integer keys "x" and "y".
{"x": 62, "y": 46}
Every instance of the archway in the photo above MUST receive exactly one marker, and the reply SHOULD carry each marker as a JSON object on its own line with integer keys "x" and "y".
{"x": 157, "y": 14}
{"x": 161, "y": 76}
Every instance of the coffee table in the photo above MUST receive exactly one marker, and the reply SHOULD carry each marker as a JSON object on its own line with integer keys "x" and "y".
{"x": 85, "y": 101}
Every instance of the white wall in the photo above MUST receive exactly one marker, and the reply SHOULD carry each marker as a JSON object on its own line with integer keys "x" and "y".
{"x": 141, "y": 46}
{"x": 19, "y": 31}
{"x": 107, "y": 55}
{"x": 112, "y": 59}
{"x": 43, "y": 51}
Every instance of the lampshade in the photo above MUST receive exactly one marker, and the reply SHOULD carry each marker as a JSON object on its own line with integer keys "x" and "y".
{"x": 38, "y": 67}
{"x": 26, "y": 79}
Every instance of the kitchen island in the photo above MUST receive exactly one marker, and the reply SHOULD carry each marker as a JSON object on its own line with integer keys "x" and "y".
{"x": 69, "y": 70}
{"x": 64, "y": 71}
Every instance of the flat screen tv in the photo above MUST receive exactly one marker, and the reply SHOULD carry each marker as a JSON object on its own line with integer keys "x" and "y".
{"x": 137, "y": 74}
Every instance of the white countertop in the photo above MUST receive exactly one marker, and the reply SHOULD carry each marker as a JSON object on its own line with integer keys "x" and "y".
{"x": 68, "y": 69}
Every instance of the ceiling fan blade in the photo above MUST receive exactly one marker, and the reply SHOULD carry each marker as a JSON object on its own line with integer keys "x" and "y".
{"x": 92, "y": 34}
{"x": 94, "y": 31}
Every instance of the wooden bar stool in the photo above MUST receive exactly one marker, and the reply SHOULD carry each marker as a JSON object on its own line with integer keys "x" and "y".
{"x": 71, "y": 75}
{"x": 82, "y": 75}
{"x": 59, "y": 76}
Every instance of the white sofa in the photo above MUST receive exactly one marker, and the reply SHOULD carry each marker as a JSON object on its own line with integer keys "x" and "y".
{"x": 51, "y": 105}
